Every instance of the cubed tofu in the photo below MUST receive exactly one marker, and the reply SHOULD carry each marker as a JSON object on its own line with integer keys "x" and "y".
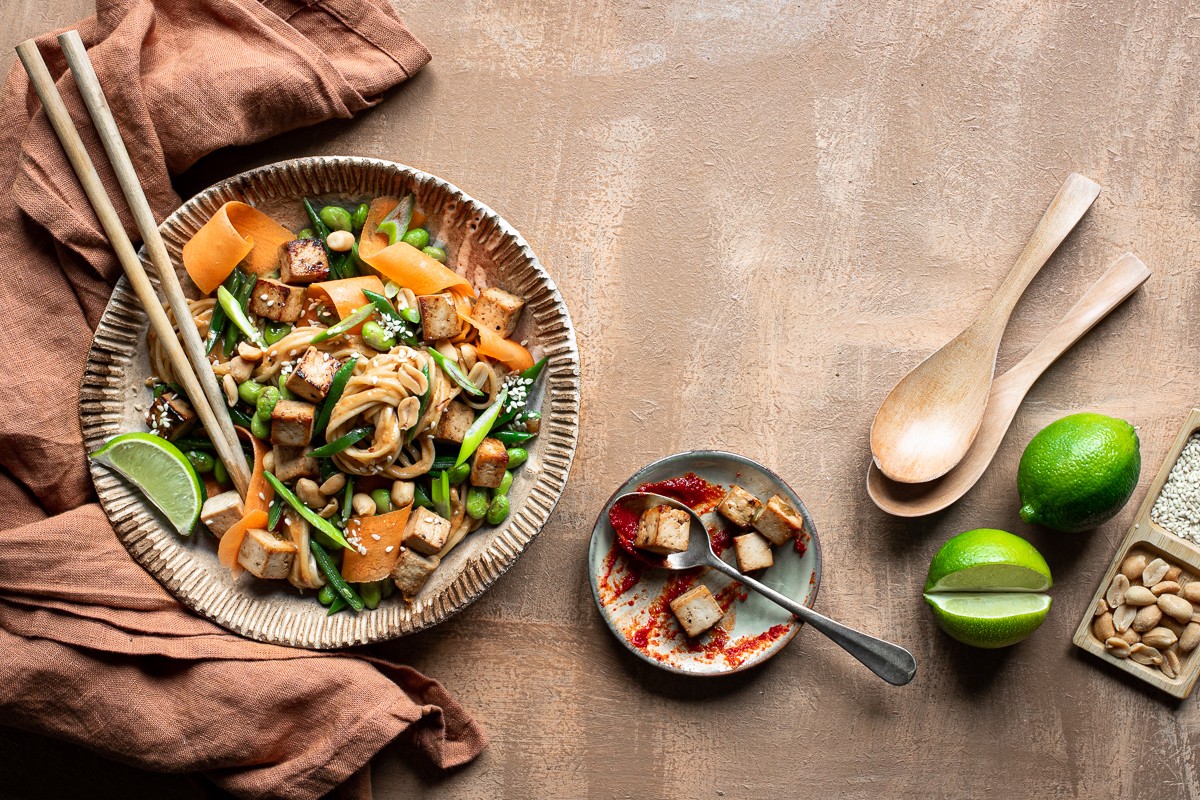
{"x": 266, "y": 555}
{"x": 740, "y": 507}
{"x": 426, "y": 532}
{"x": 439, "y": 317}
{"x": 292, "y": 423}
{"x": 753, "y": 552}
{"x": 303, "y": 261}
{"x": 170, "y": 416}
{"x": 221, "y": 511}
{"x": 498, "y": 310}
{"x": 453, "y": 424}
{"x": 292, "y": 463}
{"x": 412, "y": 571}
{"x": 697, "y": 610}
{"x": 779, "y": 522}
{"x": 276, "y": 300}
{"x": 663, "y": 530}
{"x": 313, "y": 375}
{"x": 489, "y": 463}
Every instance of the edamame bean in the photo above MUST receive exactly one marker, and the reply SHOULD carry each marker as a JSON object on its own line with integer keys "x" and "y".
{"x": 460, "y": 474}
{"x": 498, "y": 510}
{"x": 220, "y": 474}
{"x": 276, "y": 331}
{"x": 284, "y": 392}
{"x": 359, "y": 217}
{"x": 336, "y": 217}
{"x": 249, "y": 391}
{"x": 306, "y": 233}
{"x": 371, "y": 594}
{"x": 261, "y": 428}
{"x": 200, "y": 460}
{"x": 326, "y": 595}
{"x": 417, "y": 237}
{"x": 383, "y": 500}
{"x": 374, "y": 335}
{"x": 436, "y": 253}
{"x": 477, "y": 503}
{"x": 505, "y": 484}
{"x": 266, "y": 404}
{"x": 517, "y": 456}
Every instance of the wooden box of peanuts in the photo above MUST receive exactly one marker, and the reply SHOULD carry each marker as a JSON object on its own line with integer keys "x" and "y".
{"x": 1145, "y": 615}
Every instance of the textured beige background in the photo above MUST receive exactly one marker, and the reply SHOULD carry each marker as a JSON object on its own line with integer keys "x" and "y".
{"x": 761, "y": 216}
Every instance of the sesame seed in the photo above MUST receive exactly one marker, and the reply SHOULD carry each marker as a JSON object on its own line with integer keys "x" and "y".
{"x": 375, "y": 536}
{"x": 388, "y": 549}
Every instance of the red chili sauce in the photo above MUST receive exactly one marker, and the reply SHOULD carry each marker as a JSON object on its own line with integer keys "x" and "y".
{"x": 689, "y": 489}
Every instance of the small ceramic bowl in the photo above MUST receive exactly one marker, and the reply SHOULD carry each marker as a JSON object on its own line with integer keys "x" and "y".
{"x": 633, "y": 598}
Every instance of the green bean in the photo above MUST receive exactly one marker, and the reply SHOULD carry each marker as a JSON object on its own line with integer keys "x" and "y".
{"x": 460, "y": 474}
{"x": 517, "y": 456}
{"x": 441, "y": 463}
{"x": 220, "y": 474}
{"x": 275, "y": 331}
{"x": 455, "y": 373}
{"x": 505, "y": 484}
{"x": 320, "y": 229}
{"x": 274, "y": 513}
{"x": 239, "y": 417}
{"x": 480, "y": 427}
{"x": 337, "y": 605}
{"x": 200, "y": 460}
{"x": 326, "y": 595}
{"x": 249, "y": 391}
{"x": 383, "y": 500}
{"x": 512, "y": 437}
{"x": 260, "y": 428}
{"x": 336, "y": 218}
{"x": 336, "y": 387}
{"x": 375, "y": 336}
{"x": 218, "y": 321}
{"x": 417, "y": 237}
{"x": 306, "y": 233}
{"x": 320, "y": 524}
{"x": 237, "y": 315}
{"x": 411, "y": 315}
{"x": 371, "y": 593}
{"x": 359, "y": 217}
{"x": 187, "y": 443}
{"x": 347, "y": 497}
{"x": 498, "y": 510}
{"x": 342, "y": 442}
{"x": 420, "y": 498}
{"x": 477, "y": 502}
{"x": 360, "y": 315}
{"x": 436, "y": 253}
{"x": 267, "y": 399}
{"x": 352, "y": 263}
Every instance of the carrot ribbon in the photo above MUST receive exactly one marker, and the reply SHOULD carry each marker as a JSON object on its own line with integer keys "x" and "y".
{"x": 258, "y": 500}
{"x": 236, "y": 232}
{"x": 403, "y": 263}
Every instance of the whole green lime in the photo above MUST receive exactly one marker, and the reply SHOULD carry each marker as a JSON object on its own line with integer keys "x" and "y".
{"x": 1078, "y": 472}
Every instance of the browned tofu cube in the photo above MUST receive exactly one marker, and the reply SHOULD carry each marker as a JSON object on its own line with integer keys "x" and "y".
{"x": 439, "y": 317}
{"x": 426, "y": 532}
{"x": 266, "y": 555}
{"x": 276, "y": 300}
{"x": 489, "y": 463}
{"x": 221, "y": 511}
{"x": 779, "y": 522}
{"x": 663, "y": 530}
{"x": 292, "y": 423}
{"x": 753, "y": 552}
{"x": 170, "y": 416}
{"x": 313, "y": 375}
{"x": 498, "y": 310}
{"x": 453, "y": 424}
{"x": 697, "y": 610}
{"x": 292, "y": 463}
{"x": 412, "y": 571}
{"x": 740, "y": 507}
{"x": 303, "y": 261}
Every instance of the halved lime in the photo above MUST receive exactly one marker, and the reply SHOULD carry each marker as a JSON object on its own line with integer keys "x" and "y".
{"x": 989, "y": 619}
{"x": 160, "y": 471}
{"x": 988, "y": 560}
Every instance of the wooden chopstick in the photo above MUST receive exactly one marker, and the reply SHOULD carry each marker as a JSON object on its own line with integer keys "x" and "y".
{"x": 223, "y": 435}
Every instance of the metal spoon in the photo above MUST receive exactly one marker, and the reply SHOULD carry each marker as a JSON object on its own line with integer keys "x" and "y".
{"x": 891, "y": 662}
{"x": 918, "y": 499}
{"x": 927, "y": 422}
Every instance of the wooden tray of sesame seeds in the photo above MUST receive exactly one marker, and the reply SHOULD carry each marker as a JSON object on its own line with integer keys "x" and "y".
{"x": 1149, "y": 538}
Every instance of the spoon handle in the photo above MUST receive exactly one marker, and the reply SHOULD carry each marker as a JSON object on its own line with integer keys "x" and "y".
{"x": 889, "y": 661}
{"x": 1062, "y": 215}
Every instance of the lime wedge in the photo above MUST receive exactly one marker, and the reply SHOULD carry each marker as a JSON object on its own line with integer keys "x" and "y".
{"x": 160, "y": 471}
{"x": 988, "y": 560}
{"x": 995, "y": 619}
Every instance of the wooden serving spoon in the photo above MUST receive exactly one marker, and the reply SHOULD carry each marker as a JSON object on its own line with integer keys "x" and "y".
{"x": 918, "y": 499}
{"x": 928, "y": 421}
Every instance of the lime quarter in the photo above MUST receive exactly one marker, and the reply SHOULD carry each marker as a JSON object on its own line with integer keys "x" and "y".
{"x": 160, "y": 471}
{"x": 989, "y": 620}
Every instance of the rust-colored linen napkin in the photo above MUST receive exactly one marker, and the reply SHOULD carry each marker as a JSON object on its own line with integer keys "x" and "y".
{"x": 92, "y": 649}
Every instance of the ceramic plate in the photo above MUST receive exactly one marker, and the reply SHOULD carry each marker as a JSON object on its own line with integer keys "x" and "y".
{"x": 484, "y": 248}
{"x": 633, "y": 598}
